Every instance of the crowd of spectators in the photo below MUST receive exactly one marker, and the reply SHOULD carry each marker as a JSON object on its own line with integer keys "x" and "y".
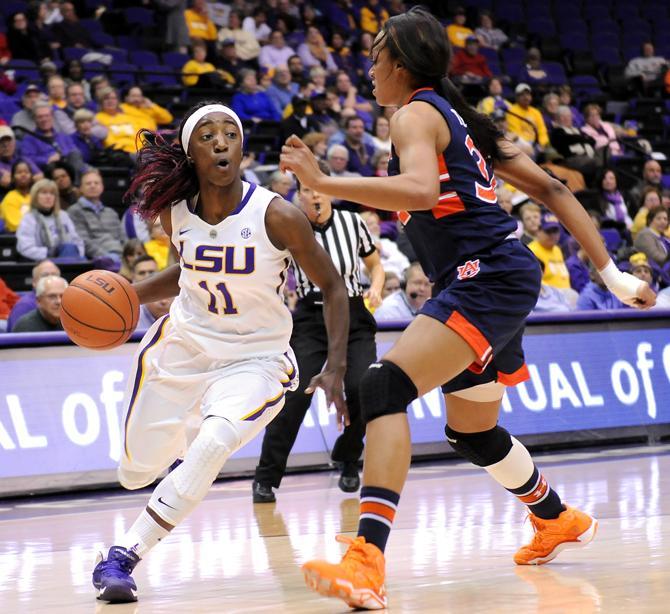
{"x": 291, "y": 66}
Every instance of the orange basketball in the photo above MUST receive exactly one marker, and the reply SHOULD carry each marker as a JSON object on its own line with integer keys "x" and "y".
{"x": 100, "y": 310}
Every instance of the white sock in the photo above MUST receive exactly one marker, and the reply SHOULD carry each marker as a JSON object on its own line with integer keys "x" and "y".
{"x": 143, "y": 535}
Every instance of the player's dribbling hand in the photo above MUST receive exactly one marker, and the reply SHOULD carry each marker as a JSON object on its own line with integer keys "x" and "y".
{"x": 332, "y": 383}
{"x": 297, "y": 157}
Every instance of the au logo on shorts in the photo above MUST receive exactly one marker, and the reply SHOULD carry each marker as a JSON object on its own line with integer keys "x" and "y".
{"x": 468, "y": 270}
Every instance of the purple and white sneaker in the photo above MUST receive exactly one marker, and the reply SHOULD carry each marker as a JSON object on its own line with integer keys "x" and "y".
{"x": 111, "y": 575}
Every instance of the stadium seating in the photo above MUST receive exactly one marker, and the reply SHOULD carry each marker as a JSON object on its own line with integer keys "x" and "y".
{"x": 8, "y": 248}
{"x": 18, "y": 275}
{"x": 584, "y": 43}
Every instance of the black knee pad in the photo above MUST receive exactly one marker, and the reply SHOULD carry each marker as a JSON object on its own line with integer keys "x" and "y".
{"x": 482, "y": 449}
{"x": 385, "y": 389}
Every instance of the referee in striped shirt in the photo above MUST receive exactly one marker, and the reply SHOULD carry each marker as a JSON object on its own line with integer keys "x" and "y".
{"x": 345, "y": 237}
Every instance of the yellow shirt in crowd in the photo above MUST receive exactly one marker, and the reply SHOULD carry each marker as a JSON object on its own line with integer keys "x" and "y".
{"x": 523, "y": 129}
{"x": 639, "y": 221}
{"x": 457, "y": 34}
{"x": 13, "y": 207}
{"x": 199, "y": 26}
{"x": 61, "y": 104}
{"x": 369, "y": 21}
{"x": 487, "y": 105}
{"x": 151, "y": 117}
{"x": 555, "y": 272}
{"x": 159, "y": 251}
{"x": 122, "y": 130}
{"x": 192, "y": 70}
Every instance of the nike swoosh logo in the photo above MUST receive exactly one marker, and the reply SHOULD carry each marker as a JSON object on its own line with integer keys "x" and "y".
{"x": 448, "y": 439}
{"x": 160, "y": 500}
{"x": 183, "y": 232}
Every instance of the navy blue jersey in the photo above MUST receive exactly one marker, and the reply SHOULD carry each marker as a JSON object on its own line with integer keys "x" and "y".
{"x": 467, "y": 220}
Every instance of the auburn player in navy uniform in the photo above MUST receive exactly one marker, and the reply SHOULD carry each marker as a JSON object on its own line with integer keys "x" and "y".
{"x": 467, "y": 338}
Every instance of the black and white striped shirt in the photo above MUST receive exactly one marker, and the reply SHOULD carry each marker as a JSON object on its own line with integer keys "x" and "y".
{"x": 346, "y": 239}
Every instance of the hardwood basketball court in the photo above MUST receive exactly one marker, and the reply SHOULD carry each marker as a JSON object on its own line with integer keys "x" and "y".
{"x": 450, "y": 552}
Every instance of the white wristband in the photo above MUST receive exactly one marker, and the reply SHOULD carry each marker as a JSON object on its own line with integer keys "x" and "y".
{"x": 610, "y": 274}
{"x": 623, "y": 285}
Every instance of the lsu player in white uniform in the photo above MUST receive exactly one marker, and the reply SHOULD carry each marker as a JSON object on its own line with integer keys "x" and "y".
{"x": 224, "y": 346}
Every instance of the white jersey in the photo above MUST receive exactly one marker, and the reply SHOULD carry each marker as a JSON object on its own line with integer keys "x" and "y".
{"x": 232, "y": 277}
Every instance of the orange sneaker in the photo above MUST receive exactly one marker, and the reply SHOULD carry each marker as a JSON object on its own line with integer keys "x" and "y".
{"x": 358, "y": 579}
{"x": 572, "y": 529}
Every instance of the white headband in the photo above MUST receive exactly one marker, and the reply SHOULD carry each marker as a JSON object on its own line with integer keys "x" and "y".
{"x": 199, "y": 114}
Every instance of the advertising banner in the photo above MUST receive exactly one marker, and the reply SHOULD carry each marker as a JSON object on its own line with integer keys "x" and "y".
{"x": 61, "y": 408}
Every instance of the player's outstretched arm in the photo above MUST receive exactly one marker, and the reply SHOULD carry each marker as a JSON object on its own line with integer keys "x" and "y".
{"x": 159, "y": 286}
{"x": 519, "y": 170}
{"x": 288, "y": 228}
{"x": 165, "y": 283}
{"x": 414, "y": 130}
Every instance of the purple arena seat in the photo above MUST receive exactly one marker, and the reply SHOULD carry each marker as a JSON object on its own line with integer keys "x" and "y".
{"x": 143, "y": 57}
{"x": 74, "y": 53}
{"x": 175, "y": 59}
{"x": 157, "y": 74}
{"x": 139, "y": 16}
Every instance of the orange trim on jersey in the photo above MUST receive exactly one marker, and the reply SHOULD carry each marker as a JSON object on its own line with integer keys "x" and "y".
{"x": 370, "y": 507}
{"x": 450, "y": 203}
{"x": 442, "y": 169}
{"x": 512, "y": 379}
{"x": 488, "y": 195}
{"x": 472, "y": 336}
{"x": 537, "y": 493}
{"x": 415, "y": 92}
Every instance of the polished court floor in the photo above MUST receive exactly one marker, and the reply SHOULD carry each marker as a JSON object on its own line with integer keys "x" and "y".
{"x": 451, "y": 550}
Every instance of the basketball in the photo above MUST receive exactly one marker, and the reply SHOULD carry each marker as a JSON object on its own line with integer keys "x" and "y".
{"x": 100, "y": 310}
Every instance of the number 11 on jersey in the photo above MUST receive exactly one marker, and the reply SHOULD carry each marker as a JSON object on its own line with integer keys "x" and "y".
{"x": 228, "y": 305}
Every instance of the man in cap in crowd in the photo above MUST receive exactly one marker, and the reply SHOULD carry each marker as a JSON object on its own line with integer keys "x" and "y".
{"x": 25, "y": 118}
{"x": 545, "y": 247}
{"x": 525, "y": 120}
{"x": 9, "y": 155}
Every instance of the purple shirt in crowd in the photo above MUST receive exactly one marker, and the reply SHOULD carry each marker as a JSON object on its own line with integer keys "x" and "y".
{"x": 40, "y": 152}
{"x": 26, "y": 303}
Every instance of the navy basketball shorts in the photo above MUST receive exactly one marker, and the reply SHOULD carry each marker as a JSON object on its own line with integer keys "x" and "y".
{"x": 486, "y": 303}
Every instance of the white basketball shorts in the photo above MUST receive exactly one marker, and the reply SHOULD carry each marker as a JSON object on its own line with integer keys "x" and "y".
{"x": 170, "y": 380}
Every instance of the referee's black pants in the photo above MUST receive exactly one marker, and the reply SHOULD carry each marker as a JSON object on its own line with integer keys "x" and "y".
{"x": 310, "y": 344}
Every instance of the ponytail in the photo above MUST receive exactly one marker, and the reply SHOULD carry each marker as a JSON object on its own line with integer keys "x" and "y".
{"x": 164, "y": 176}
{"x": 483, "y": 131}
